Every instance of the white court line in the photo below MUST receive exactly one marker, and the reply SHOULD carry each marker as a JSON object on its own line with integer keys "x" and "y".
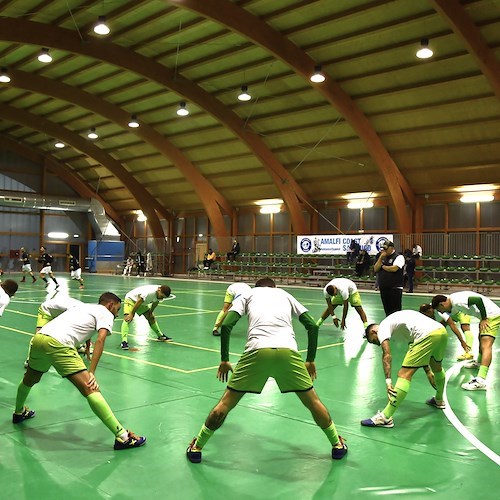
{"x": 461, "y": 427}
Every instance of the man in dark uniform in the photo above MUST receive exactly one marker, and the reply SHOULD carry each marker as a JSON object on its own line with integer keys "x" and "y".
{"x": 46, "y": 260}
{"x": 389, "y": 269}
{"x": 24, "y": 257}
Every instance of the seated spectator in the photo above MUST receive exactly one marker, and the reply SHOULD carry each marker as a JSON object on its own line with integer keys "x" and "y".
{"x": 235, "y": 250}
{"x": 210, "y": 258}
{"x": 353, "y": 252}
{"x": 363, "y": 263}
{"x": 416, "y": 251}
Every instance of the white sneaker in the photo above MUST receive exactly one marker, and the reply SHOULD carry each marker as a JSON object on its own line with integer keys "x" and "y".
{"x": 378, "y": 420}
{"x": 472, "y": 364}
{"x": 476, "y": 384}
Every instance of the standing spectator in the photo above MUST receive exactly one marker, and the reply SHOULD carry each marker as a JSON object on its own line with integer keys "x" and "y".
{"x": 416, "y": 251}
{"x": 46, "y": 260}
{"x": 428, "y": 340}
{"x": 235, "y": 250}
{"x": 233, "y": 291}
{"x": 342, "y": 291}
{"x": 24, "y": 257}
{"x": 484, "y": 309}
{"x": 209, "y": 259}
{"x": 143, "y": 301}
{"x": 56, "y": 346}
{"x": 353, "y": 252}
{"x": 7, "y": 290}
{"x": 141, "y": 263}
{"x": 363, "y": 263}
{"x": 128, "y": 266}
{"x": 75, "y": 269}
{"x": 271, "y": 351}
{"x": 389, "y": 269}
{"x": 409, "y": 269}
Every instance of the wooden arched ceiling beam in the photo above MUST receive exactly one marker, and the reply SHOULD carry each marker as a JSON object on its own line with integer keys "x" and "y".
{"x": 147, "y": 203}
{"x": 212, "y": 200}
{"x": 70, "y": 178}
{"x": 461, "y": 24}
{"x": 241, "y": 21}
{"x": 40, "y": 34}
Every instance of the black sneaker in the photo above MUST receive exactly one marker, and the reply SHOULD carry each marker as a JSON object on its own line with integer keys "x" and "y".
{"x": 133, "y": 441}
{"x": 193, "y": 453}
{"x": 338, "y": 453}
{"x": 17, "y": 418}
{"x": 216, "y": 333}
{"x": 164, "y": 338}
{"x": 124, "y": 346}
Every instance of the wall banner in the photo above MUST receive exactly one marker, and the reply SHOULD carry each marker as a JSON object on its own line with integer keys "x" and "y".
{"x": 339, "y": 243}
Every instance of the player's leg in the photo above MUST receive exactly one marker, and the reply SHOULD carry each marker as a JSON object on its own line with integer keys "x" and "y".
{"x": 127, "y": 308}
{"x": 355, "y": 301}
{"x": 401, "y": 388}
{"x": 123, "y": 439}
{"x": 51, "y": 274}
{"x": 21, "y": 412}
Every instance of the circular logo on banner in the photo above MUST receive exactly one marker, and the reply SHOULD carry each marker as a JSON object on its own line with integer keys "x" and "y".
{"x": 380, "y": 242}
{"x": 305, "y": 245}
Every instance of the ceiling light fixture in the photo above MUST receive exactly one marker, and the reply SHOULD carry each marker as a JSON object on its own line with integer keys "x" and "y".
{"x": 140, "y": 216}
{"x": 4, "y": 75}
{"x": 44, "y": 56}
{"x": 133, "y": 123}
{"x": 182, "y": 111}
{"x": 58, "y": 235}
{"x": 59, "y": 145}
{"x": 480, "y": 197}
{"x": 270, "y": 209}
{"x": 424, "y": 52}
{"x": 101, "y": 28}
{"x": 244, "y": 95}
{"x": 318, "y": 75}
{"x": 92, "y": 134}
{"x": 360, "y": 204}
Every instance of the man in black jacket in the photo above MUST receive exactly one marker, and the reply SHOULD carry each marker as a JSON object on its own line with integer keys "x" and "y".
{"x": 389, "y": 269}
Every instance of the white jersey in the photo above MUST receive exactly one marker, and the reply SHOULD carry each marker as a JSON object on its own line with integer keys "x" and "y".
{"x": 412, "y": 326}
{"x": 59, "y": 304}
{"x": 270, "y": 313}
{"x": 75, "y": 326}
{"x": 237, "y": 289}
{"x": 147, "y": 293}
{"x": 459, "y": 303}
{"x": 4, "y": 300}
{"x": 344, "y": 286}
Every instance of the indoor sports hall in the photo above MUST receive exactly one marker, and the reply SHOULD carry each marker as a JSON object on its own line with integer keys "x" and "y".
{"x": 192, "y": 145}
{"x": 269, "y": 447}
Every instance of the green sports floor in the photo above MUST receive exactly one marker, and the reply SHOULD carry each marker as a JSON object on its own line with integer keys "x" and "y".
{"x": 269, "y": 446}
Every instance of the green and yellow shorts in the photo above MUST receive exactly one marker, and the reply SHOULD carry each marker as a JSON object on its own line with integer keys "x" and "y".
{"x": 43, "y": 318}
{"x": 433, "y": 346}
{"x": 354, "y": 299}
{"x": 492, "y": 328}
{"x": 46, "y": 351}
{"x": 284, "y": 365}
{"x": 129, "y": 305}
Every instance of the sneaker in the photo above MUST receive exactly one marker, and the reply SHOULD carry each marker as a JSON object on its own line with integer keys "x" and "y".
{"x": 476, "y": 384}
{"x": 165, "y": 338}
{"x": 378, "y": 420}
{"x": 465, "y": 356}
{"x": 133, "y": 441}
{"x": 339, "y": 452}
{"x": 17, "y": 418}
{"x": 81, "y": 349}
{"x": 34, "y": 280}
{"x": 23, "y": 281}
{"x": 216, "y": 333}
{"x": 124, "y": 345}
{"x": 57, "y": 285}
{"x": 194, "y": 454}
{"x": 46, "y": 285}
{"x": 472, "y": 365}
{"x": 436, "y": 403}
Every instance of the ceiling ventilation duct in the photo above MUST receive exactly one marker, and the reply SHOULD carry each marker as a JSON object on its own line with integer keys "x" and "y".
{"x": 102, "y": 225}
